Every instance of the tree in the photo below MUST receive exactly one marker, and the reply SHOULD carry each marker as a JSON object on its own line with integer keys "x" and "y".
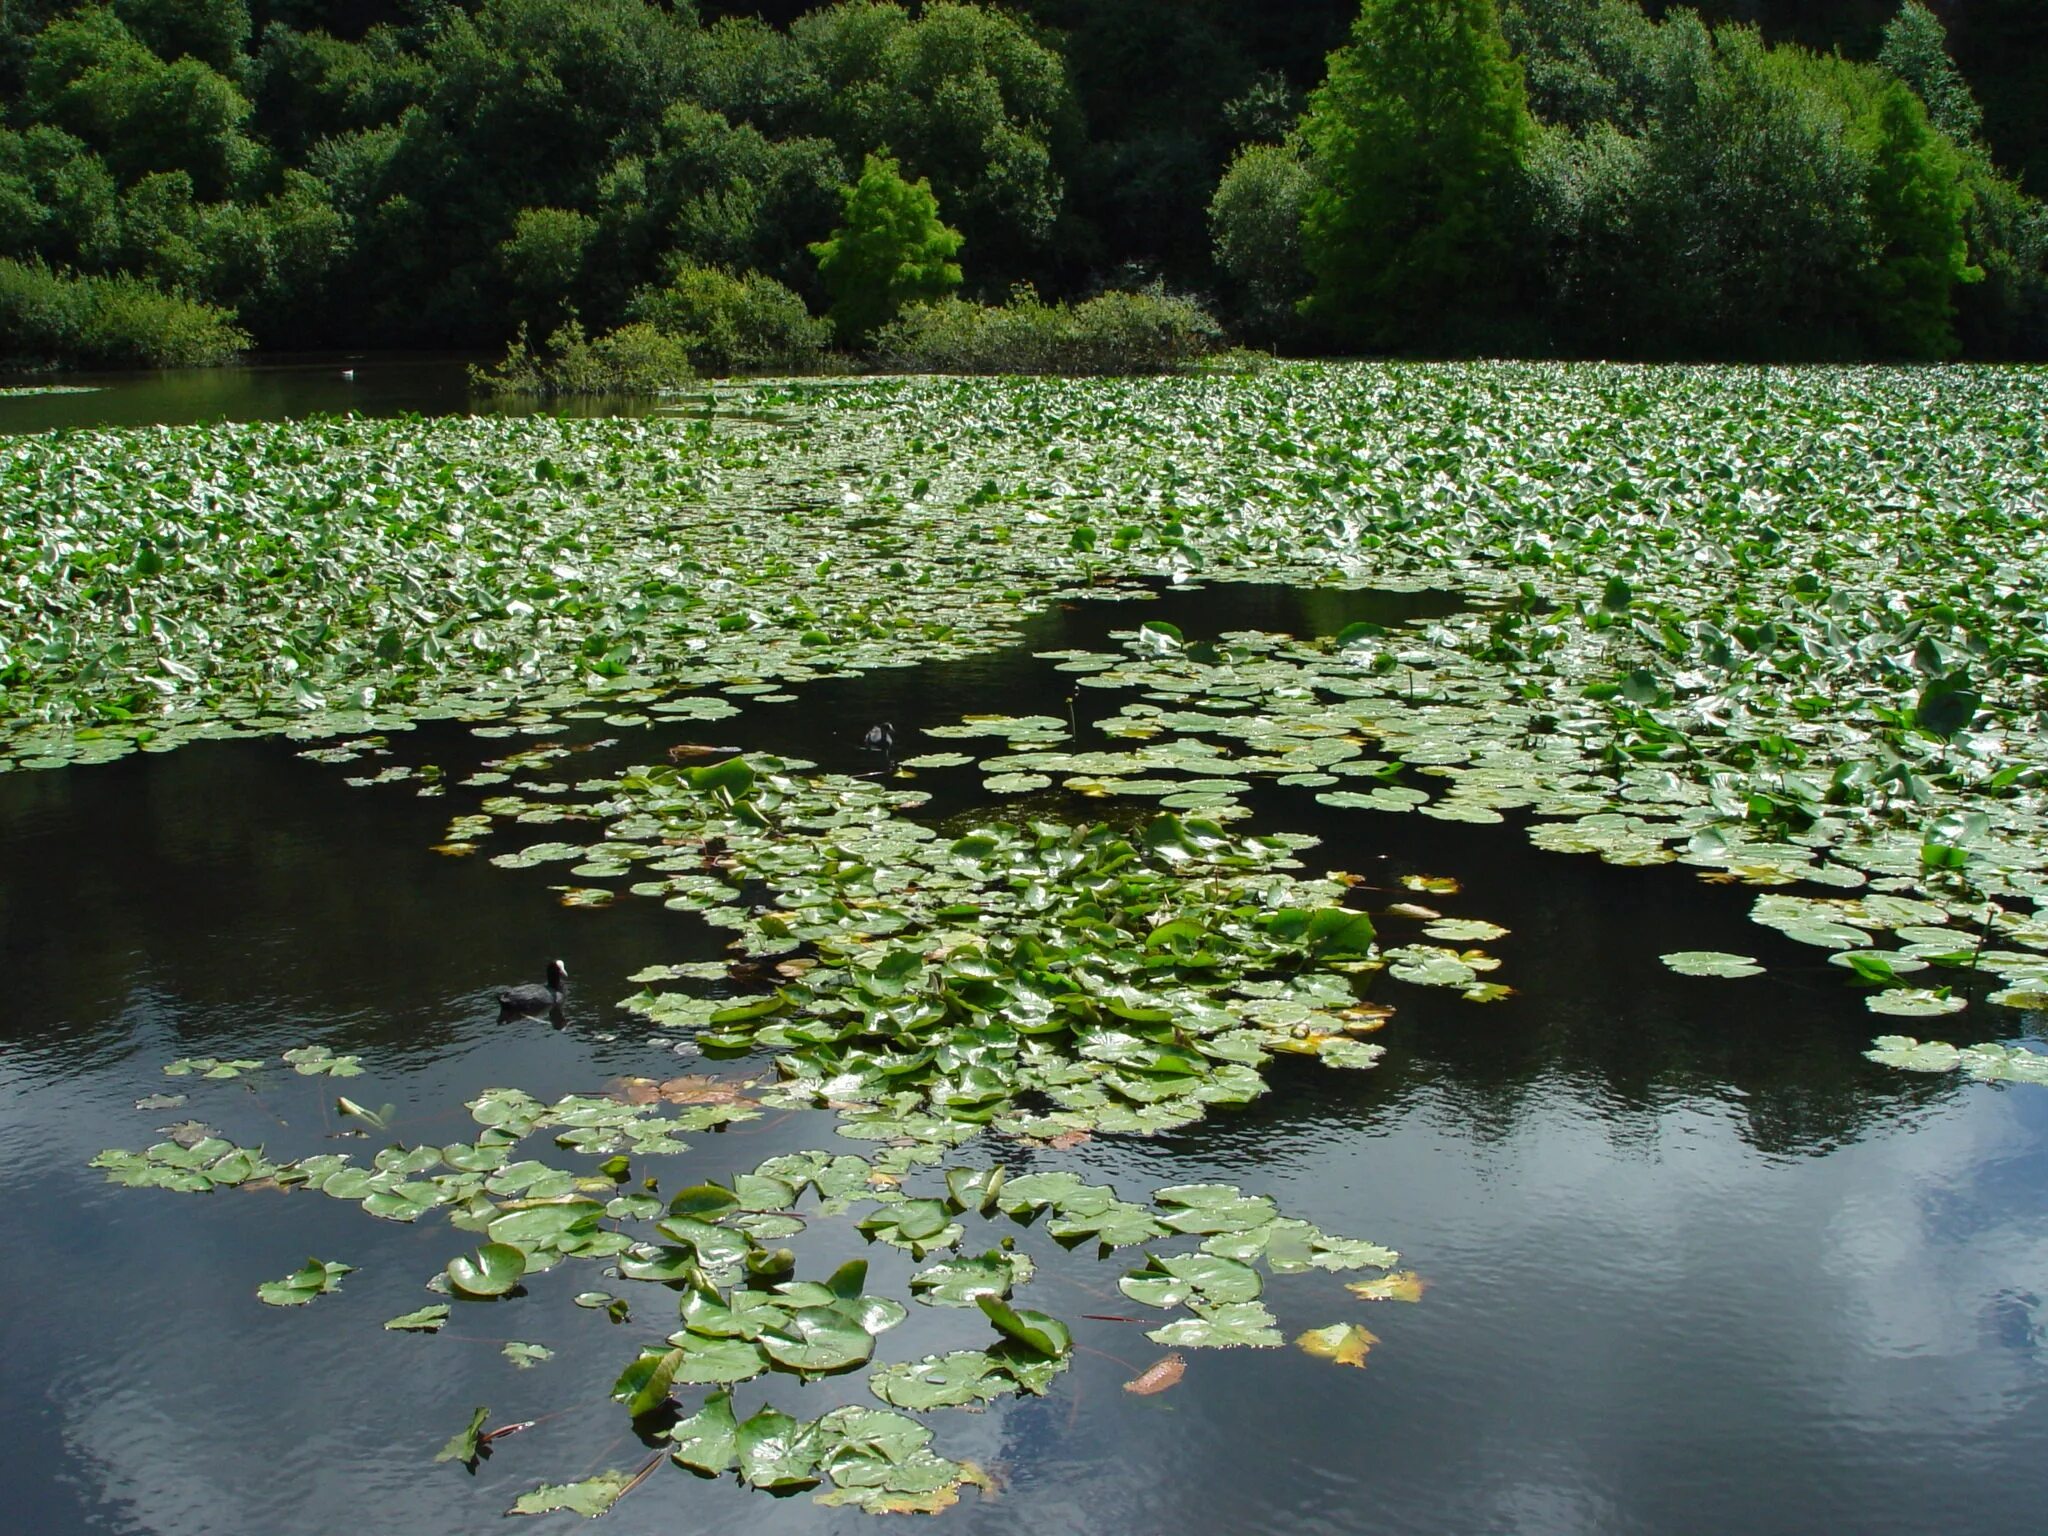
{"x": 1917, "y": 199}
{"x": 1916, "y": 51}
{"x": 889, "y": 249}
{"x": 1415, "y": 142}
{"x": 543, "y": 257}
{"x": 966, "y": 95}
{"x": 1255, "y": 219}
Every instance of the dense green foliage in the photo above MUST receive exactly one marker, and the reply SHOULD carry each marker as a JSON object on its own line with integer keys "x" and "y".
{"x": 1577, "y": 176}
{"x": 117, "y": 321}
{"x": 891, "y": 249}
{"x": 1413, "y": 143}
{"x": 635, "y": 359}
{"x": 745, "y": 323}
{"x": 1111, "y": 333}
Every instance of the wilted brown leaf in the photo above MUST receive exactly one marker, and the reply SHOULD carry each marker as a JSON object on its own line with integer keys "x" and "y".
{"x": 1340, "y": 1343}
{"x": 700, "y": 1089}
{"x": 1436, "y": 885}
{"x": 1166, "y": 1373}
{"x": 1364, "y": 1018}
{"x": 1402, "y": 1285}
{"x": 1413, "y": 909}
{"x": 695, "y": 1089}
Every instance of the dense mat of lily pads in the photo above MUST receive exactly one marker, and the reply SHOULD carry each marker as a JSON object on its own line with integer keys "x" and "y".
{"x": 1785, "y": 625}
{"x": 1786, "y": 628}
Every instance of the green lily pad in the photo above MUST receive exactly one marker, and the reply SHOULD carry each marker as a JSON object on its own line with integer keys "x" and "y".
{"x": 708, "y": 1441}
{"x": 1711, "y": 962}
{"x": 817, "y": 1341}
{"x": 776, "y": 1451}
{"x": 1032, "y": 1331}
{"x": 492, "y": 1271}
{"x": 1233, "y": 1325}
{"x": 1914, "y": 1003}
{"x": 465, "y": 1444}
{"x": 961, "y": 1282}
{"x": 425, "y": 1320}
{"x": 590, "y": 1497}
{"x": 315, "y": 1278}
{"x": 941, "y": 1381}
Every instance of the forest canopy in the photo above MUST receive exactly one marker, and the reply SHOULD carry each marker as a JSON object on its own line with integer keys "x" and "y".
{"x": 1754, "y": 179}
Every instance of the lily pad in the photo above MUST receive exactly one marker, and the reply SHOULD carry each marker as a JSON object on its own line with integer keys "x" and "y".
{"x": 1711, "y": 962}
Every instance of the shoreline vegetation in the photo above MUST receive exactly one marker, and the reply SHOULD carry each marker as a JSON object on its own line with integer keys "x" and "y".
{"x": 954, "y": 187}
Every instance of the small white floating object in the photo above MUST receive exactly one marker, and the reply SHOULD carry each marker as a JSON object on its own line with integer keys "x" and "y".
{"x": 349, "y": 374}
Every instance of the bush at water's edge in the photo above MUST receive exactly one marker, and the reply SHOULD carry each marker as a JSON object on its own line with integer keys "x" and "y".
{"x": 49, "y": 317}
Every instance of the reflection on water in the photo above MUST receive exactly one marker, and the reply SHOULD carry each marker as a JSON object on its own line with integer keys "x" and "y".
{"x": 272, "y": 388}
{"x": 1693, "y": 1264}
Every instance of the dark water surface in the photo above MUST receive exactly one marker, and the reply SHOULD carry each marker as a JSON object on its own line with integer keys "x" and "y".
{"x": 274, "y": 387}
{"x": 1694, "y": 1265}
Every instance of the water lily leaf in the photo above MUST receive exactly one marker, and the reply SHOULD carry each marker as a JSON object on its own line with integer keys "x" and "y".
{"x": 705, "y": 1202}
{"x": 1207, "y": 1208}
{"x": 492, "y": 1271}
{"x": 644, "y": 1385}
{"x": 590, "y": 1498}
{"x": 1032, "y": 1331}
{"x": 720, "y": 1361}
{"x": 311, "y": 1060}
{"x": 546, "y": 1225}
{"x": 1911, "y": 1055}
{"x": 1234, "y": 1325}
{"x": 2004, "y": 1063}
{"x": 1711, "y": 962}
{"x": 1182, "y": 1277}
{"x": 776, "y": 1451}
{"x": 1435, "y": 885}
{"x": 959, "y": 1282}
{"x": 918, "y": 1225}
{"x": 463, "y": 1445}
{"x": 1914, "y": 1003}
{"x": 1464, "y": 930}
{"x": 817, "y": 1341}
{"x": 526, "y": 1356}
{"x": 1946, "y": 705}
{"x": 1340, "y": 1343}
{"x": 425, "y": 1320}
{"x": 1118, "y": 1224}
{"x": 1403, "y": 1285}
{"x": 708, "y": 1441}
{"x": 941, "y": 1381}
{"x": 315, "y": 1278}
{"x": 713, "y": 1246}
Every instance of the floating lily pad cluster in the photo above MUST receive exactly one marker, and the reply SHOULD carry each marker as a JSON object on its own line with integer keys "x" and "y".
{"x": 1785, "y": 626}
{"x": 1044, "y": 981}
{"x": 741, "y": 1312}
{"x": 1949, "y": 888}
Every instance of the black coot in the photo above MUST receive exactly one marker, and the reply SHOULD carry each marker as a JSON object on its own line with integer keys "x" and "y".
{"x": 533, "y": 999}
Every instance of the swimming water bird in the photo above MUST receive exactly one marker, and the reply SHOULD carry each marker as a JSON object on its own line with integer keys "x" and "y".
{"x": 532, "y": 999}
{"x": 880, "y": 738}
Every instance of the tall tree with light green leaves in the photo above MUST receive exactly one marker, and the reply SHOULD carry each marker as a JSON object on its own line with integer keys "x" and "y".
{"x": 1415, "y": 143}
{"x": 889, "y": 249}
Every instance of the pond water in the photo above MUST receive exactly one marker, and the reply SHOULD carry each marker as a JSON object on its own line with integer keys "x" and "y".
{"x": 1693, "y": 1264}
{"x": 278, "y": 388}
